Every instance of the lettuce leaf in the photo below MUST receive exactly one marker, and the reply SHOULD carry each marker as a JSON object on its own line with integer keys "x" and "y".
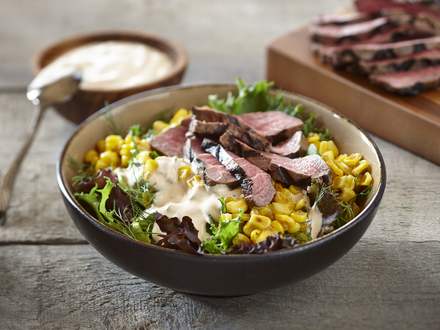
{"x": 223, "y": 234}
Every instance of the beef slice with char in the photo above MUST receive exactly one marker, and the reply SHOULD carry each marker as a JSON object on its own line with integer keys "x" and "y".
{"x": 255, "y": 183}
{"x": 170, "y": 142}
{"x": 296, "y": 146}
{"x": 233, "y": 125}
{"x": 275, "y": 126}
{"x": 207, "y": 166}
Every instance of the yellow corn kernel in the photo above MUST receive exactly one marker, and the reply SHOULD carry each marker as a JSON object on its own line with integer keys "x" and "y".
{"x": 353, "y": 159}
{"x": 264, "y": 210}
{"x": 225, "y": 217}
{"x": 341, "y": 157}
{"x": 241, "y": 239}
{"x": 159, "y": 126}
{"x": 263, "y": 236}
{"x": 100, "y": 145}
{"x": 256, "y": 222}
{"x": 313, "y": 138}
{"x": 347, "y": 195}
{"x": 236, "y": 206}
{"x": 283, "y": 196}
{"x": 328, "y": 155}
{"x": 113, "y": 142}
{"x": 91, "y": 156}
{"x": 344, "y": 182}
{"x": 288, "y": 223}
{"x": 363, "y": 166}
{"x": 184, "y": 172}
{"x": 366, "y": 179}
{"x": 180, "y": 115}
{"x": 282, "y": 208}
{"x": 150, "y": 166}
{"x": 143, "y": 145}
{"x": 125, "y": 160}
{"x": 278, "y": 186}
{"x": 302, "y": 203}
{"x": 294, "y": 190}
{"x": 127, "y": 149}
{"x": 325, "y": 146}
{"x": 336, "y": 170}
{"x": 277, "y": 227}
{"x": 254, "y": 235}
{"x": 100, "y": 165}
{"x": 111, "y": 158}
{"x": 143, "y": 156}
{"x": 344, "y": 167}
{"x": 299, "y": 216}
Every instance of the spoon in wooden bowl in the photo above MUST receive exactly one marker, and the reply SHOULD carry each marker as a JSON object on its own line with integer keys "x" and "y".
{"x": 43, "y": 96}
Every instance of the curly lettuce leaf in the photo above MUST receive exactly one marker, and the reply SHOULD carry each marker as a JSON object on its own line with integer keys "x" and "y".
{"x": 223, "y": 234}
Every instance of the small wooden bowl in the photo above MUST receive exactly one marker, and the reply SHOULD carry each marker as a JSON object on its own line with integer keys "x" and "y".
{"x": 86, "y": 102}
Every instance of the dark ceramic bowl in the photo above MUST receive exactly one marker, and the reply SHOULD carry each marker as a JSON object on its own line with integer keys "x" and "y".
{"x": 229, "y": 275}
{"x": 86, "y": 102}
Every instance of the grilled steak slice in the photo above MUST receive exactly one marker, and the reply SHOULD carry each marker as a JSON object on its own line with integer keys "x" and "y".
{"x": 205, "y": 128}
{"x": 299, "y": 171}
{"x": 344, "y": 55}
{"x": 410, "y": 7}
{"x": 295, "y": 146}
{"x": 276, "y": 126}
{"x": 237, "y": 128}
{"x": 285, "y": 170}
{"x": 410, "y": 82}
{"x": 412, "y": 62}
{"x": 341, "y": 19}
{"x": 170, "y": 142}
{"x": 256, "y": 184}
{"x": 333, "y": 35}
{"x": 206, "y": 165}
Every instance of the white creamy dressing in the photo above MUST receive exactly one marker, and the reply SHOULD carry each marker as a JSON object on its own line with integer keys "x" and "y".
{"x": 109, "y": 65}
{"x": 174, "y": 198}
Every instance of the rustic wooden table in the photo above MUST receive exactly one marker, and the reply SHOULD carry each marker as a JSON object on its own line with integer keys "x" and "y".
{"x": 51, "y": 278}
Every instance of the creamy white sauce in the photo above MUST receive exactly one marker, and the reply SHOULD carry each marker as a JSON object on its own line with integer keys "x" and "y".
{"x": 109, "y": 65}
{"x": 174, "y": 198}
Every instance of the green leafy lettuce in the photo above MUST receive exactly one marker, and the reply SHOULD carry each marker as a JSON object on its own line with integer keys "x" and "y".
{"x": 222, "y": 235}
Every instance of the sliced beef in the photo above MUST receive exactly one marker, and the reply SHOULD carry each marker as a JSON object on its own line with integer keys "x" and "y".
{"x": 337, "y": 34}
{"x": 170, "y": 142}
{"x": 237, "y": 128}
{"x": 256, "y": 184}
{"x": 276, "y": 126}
{"x": 405, "y": 63}
{"x": 205, "y": 128}
{"x": 207, "y": 166}
{"x": 385, "y": 6}
{"x": 341, "y": 19}
{"x": 349, "y": 55}
{"x": 299, "y": 171}
{"x": 410, "y": 82}
{"x": 296, "y": 146}
{"x": 285, "y": 170}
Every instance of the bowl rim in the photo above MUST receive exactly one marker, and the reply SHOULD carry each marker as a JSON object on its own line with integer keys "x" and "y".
{"x": 180, "y": 62}
{"x": 68, "y": 195}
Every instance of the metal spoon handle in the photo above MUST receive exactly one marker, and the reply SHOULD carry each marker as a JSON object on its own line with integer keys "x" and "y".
{"x": 7, "y": 182}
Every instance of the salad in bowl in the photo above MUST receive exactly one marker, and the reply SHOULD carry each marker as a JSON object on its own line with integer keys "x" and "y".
{"x": 248, "y": 173}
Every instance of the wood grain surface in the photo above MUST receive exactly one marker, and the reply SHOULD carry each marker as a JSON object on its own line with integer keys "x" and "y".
{"x": 50, "y": 278}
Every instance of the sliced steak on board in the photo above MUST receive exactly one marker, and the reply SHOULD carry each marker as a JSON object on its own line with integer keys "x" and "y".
{"x": 206, "y": 165}
{"x": 409, "y": 82}
{"x": 256, "y": 184}
{"x": 405, "y": 63}
{"x": 170, "y": 142}
{"x": 341, "y": 19}
{"x": 276, "y": 126}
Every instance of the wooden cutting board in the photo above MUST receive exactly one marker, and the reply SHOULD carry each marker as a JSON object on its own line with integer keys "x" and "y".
{"x": 412, "y": 122}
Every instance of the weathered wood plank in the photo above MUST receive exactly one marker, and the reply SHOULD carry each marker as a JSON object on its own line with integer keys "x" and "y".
{"x": 224, "y": 39}
{"x": 387, "y": 285}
